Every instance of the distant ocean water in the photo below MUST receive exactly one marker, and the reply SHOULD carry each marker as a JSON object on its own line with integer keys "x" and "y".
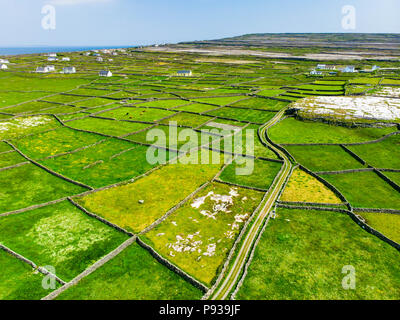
{"x": 31, "y": 50}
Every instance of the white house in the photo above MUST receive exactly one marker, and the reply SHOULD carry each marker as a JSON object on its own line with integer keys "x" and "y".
{"x": 326, "y": 67}
{"x": 99, "y": 59}
{"x": 114, "y": 53}
{"x": 184, "y": 73}
{"x": 52, "y": 59}
{"x": 4, "y": 61}
{"x": 87, "y": 54}
{"x": 374, "y": 68}
{"x": 65, "y": 59}
{"x": 110, "y": 60}
{"x": 42, "y": 69}
{"x": 3, "y": 66}
{"x": 349, "y": 69}
{"x": 52, "y": 55}
{"x": 105, "y": 73}
{"x": 316, "y": 73}
{"x": 51, "y": 68}
{"x": 69, "y": 70}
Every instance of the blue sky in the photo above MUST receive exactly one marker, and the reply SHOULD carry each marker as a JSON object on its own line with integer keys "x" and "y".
{"x": 135, "y": 22}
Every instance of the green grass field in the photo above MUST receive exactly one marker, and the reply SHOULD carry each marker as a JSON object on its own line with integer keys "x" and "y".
{"x": 121, "y": 205}
{"x": 101, "y": 132}
{"x": 365, "y": 190}
{"x": 132, "y": 275}
{"x": 18, "y": 281}
{"x": 314, "y": 132}
{"x": 324, "y": 158}
{"x": 251, "y": 173}
{"x": 385, "y": 154}
{"x": 29, "y": 185}
{"x": 386, "y": 223}
{"x": 60, "y": 236}
{"x": 199, "y": 236}
{"x": 302, "y": 253}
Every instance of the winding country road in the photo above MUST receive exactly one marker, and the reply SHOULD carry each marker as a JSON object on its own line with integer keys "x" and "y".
{"x": 233, "y": 276}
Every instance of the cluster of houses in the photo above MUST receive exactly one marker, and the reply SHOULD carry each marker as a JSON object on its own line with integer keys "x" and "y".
{"x": 318, "y": 71}
{"x": 3, "y": 64}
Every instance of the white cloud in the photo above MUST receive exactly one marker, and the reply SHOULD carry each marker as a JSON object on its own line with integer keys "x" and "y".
{"x": 76, "y": 2}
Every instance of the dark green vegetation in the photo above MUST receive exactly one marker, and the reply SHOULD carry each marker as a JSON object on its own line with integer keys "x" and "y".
{"x": 301, "y": 255}
{"x": 366, "y": 190}
{"x": 132, "y": 275}
{"x": 384, "y": 154}
{"x": 324, "y": 158}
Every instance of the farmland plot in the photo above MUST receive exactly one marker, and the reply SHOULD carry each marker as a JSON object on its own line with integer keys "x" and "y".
{"x": 199, "y": 236}
{"x": 61, "y": 236}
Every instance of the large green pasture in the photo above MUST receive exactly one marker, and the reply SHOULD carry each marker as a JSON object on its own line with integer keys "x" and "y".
{"x": 302, "y": 254}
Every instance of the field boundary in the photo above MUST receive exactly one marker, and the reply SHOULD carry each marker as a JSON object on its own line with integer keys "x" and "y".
{"x": 171, "y": 266}
{"x": 91, "y": 269}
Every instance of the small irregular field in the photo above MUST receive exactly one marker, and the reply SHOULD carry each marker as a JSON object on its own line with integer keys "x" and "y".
{"x": 243, "y": 114}
{"x": 18, "y": 127}
{"x": 394, "y": 176}
{"x": 137, "y": 114}
{"x": 10, "y": 159}
{"x": 132, "y": 275}
{"x": 100, "y": 165}
{"x": 384, "y": 154}
{"x": 4, "y": 147}
{"x": 365, "y": 190}
{"x": 29, "y": 185}
{"x": 261, "y": 103}
{"x": 349, "y": 108}
{"x": 223, "y": 101}
{"x": 245, "y": 142}
{"x": 198, "y": 237}
{"x": 222, "y": 126}
{"x": 160, "y": 191}
{"x": 301, "y": 256}
{"x": 386, "y": 223}
{"x": 186, "y": 120}
{"x": 167, "y": 104}
{"x": 324, "y": 158}
{"x": 54, "y": 142}
{"x": 61, "y": 236}
{"x": 175, "y": 137}
{"x": 107, "y": 127}
{"x": 303, "y": 187}
{"x": 18, "y": 281}
{"x": 196, "y": 107}
{"x": 294, "y": 131}
{"x": 251, "y": 172}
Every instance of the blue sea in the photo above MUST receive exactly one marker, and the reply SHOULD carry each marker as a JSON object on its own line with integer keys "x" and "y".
{"x": 31, "y": 50}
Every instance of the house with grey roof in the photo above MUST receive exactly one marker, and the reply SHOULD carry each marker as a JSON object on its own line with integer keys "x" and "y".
{"x": 69, "y": 70}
